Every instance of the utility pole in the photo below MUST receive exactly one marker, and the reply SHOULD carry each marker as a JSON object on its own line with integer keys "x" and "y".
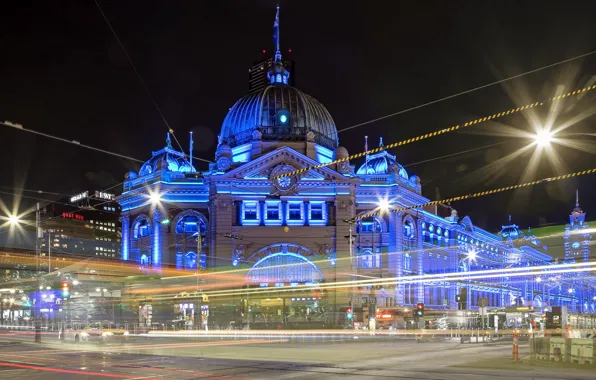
{"x": 49, "y": 252}
{"x": 351, "y": 249}
{"x": 37, "y": 306}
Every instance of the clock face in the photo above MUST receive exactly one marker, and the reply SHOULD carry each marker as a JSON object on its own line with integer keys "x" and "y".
{"x": 575, "y": 245}
{"x": 284, "y": 182}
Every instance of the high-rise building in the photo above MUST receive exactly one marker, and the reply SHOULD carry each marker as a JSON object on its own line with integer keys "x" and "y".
{"x": 87, "y": 223}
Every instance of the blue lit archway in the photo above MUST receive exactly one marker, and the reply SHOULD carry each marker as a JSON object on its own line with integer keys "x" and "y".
{"x": 284, "y": 264}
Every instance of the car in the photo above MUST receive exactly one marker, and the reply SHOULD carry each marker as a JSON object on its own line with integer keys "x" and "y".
{"x": 101, "y": 332}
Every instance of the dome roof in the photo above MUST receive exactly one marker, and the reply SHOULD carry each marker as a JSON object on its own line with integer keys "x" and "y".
{"x": 168, "y": 159}
{"x": 280, "y": 112}
{"x": 382, "y": 163}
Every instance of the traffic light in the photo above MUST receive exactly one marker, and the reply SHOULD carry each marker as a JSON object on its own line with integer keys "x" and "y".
{"x": 65, "y": 289}
{"x": 250, "y": 308}
{"x": 419, "y": 310}
{"x": 349, "y": 313}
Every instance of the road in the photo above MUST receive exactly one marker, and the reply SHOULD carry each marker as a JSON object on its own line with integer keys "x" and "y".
{"x": 268, "y": 358}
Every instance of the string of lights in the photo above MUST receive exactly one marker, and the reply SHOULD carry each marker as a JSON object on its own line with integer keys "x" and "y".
{"x": 468, "y": 91}
{"x": 478, "y": 194}
{"x": 441, "y": 131}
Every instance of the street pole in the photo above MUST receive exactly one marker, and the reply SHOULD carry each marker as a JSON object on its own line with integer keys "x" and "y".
{"x": 247, "y": 306}
{"x": 49, "y": 251}
{"x": 37, "y": 306}
{"x": 351, "y": 248}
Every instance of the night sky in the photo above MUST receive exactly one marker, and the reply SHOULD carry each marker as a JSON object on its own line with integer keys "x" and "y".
{"x": 63, "y": 73}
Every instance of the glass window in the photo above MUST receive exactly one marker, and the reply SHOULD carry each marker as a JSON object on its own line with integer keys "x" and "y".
{"x": 250, "y": 210}
{"x": 141, "y": 229}
{"x": 272, "y": 211}
{"x": 294, "y": 211}
{"x": 190, "y": 261}
{"x": 316, "y": 211}
{"x": 188, "y": 224}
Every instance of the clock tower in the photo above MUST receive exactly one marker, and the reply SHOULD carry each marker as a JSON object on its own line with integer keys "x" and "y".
{"x": 577, "y": 238}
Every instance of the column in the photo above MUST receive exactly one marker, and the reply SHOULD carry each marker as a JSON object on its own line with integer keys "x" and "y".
{"x": 306, "y": 213}
{"x": 157, "y": 238}
{"x": 125, "y": 250}
{"x": 395, "y": 254}
{"x": 262, "y": 211}
{"x": 330, "y": 214}
{"x": 284, "y": 213}
{"x": 419, "y": 260}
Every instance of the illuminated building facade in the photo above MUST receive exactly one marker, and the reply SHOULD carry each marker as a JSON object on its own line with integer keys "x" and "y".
{"x": 292, "y": 230}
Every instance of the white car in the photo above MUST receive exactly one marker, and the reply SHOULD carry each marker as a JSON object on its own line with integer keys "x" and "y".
{"x": 101, "y": 332}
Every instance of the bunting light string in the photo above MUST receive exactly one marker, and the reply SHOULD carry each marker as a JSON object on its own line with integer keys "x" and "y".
{"x": 440, "y": 132}
{"x": 477, "y": 195}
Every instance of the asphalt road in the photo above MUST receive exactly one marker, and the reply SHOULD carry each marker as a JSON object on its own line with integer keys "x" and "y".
{"x": 268, "y": 358}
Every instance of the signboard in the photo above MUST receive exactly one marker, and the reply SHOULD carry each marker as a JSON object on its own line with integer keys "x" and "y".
{"x": 483, "y": 302}
{"x": 102, "y": 195}
{"x": 78, "y": 197}
{"x": 70, "y": 215}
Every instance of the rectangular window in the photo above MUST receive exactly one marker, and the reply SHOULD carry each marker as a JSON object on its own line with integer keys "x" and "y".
{"x": 250, "y": 210}
{"x": 294, "y": 211}
{"x": 316, "y": 211}
{"x": 272, "y": 211}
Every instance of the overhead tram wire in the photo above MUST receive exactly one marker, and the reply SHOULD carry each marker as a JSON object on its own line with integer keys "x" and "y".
{"x": 478, "y": 194}
{"x": 73, "y": 142}
{"x": 441, "y": 131}
{"x": 143, "y": 82}
{"x": 467, "y": 91}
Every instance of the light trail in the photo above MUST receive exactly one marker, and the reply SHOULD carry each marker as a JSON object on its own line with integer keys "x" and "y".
{"x": 543, "y": 270}
{"x": 441, "y": 131}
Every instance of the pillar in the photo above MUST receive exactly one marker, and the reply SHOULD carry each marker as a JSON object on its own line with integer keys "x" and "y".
{"x": 125, "y": 245}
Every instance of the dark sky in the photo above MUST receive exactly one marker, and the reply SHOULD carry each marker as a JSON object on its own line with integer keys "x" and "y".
{"x": 62, "y": 72}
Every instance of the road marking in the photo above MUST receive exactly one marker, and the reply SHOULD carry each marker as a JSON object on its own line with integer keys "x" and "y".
{"x": 69, "y": 371}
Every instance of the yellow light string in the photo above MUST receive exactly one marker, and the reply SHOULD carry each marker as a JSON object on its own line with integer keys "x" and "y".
{"x": 439, "y": 132}
{"x": 479, "y": 194}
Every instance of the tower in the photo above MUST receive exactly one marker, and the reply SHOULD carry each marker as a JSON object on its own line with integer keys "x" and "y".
{"x": 577, "y": 239}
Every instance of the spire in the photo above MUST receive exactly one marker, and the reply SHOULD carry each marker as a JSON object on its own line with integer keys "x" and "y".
{"x": 381, "y": 142}
{"x": 190, "y": 149}
{"x": 168, "y": 141}
{"x": 509, "y": 218}
{"x": 278, "y": 73}
{"x": 576, "y": 198}
{"x": 276, "y": 36}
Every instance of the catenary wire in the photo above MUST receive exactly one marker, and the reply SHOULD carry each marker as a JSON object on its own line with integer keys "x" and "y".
{"x": 73, "y": 142}
{"x": 467, "y": 91}
{"x": 440, "y": 132}
{"x": 142, "y": 81}
{"x": 479, "y": 194}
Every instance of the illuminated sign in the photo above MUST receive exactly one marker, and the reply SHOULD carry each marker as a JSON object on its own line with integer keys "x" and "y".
{"x": 78, "y": 197}
{"x": 102, "y": 195}
{"x": 70, "y": 215}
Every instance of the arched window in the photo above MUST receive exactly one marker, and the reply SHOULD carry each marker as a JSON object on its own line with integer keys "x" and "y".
{"x": 369, "y": 260}
{"x": 190, "y": 261}
{"x": 142, "y": 228}
{"x": 145, "y": 259}
{"x": 408, "y": 230}
{"x": 188, "y": 226}
{"x": 407, "y": 261}
{"x": 370, "y": 225}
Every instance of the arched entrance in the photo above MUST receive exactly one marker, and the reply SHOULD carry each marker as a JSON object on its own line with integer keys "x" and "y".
{"x": 278, "y": 268}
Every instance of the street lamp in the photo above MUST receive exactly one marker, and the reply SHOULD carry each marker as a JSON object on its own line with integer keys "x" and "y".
{"x": 13, "y": 220}
{"x": 543, "y": 138}
{"x": 155, "y": 198}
